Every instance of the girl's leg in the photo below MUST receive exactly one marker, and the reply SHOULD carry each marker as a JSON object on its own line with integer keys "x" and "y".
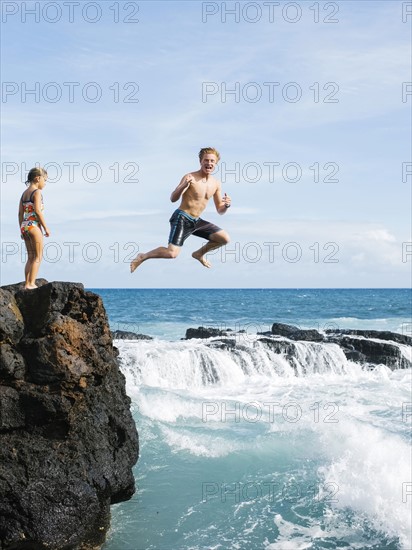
{"x": 34, "y": 245}
{"x": 30, "y": 256}
{"x": 28, "y": 262}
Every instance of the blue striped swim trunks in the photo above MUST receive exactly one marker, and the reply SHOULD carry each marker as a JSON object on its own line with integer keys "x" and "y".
{"x": 182, "y": 225}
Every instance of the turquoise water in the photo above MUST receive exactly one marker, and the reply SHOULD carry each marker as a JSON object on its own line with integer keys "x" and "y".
{"x": 258, "y": 457}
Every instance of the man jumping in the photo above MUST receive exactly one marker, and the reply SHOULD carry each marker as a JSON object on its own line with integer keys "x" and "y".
{"x": 196, "y": 189}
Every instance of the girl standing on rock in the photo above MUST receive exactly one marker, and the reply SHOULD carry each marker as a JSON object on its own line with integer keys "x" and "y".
{"x": 31, "y": 222}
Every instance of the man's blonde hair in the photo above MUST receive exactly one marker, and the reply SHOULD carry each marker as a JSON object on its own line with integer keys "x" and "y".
{"x": 209, "y": 151}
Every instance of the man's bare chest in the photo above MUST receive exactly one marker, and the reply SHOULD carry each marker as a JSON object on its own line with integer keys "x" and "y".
{"x": 202, "y": 190}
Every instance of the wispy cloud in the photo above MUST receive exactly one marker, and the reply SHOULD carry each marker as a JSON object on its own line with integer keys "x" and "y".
{"x": 366, "y": 133}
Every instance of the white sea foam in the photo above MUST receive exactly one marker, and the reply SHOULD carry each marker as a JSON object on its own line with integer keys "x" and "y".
{"x": 372, "y": 471}
{"x": 193, "y": 363}
{"x": 210, "y": 446}
{"x": 391, "y": 324}
{"x": 292, "y": 536}
{"x": 350, "y": 421}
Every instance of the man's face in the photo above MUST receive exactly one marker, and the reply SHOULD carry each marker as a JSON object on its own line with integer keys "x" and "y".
{"x": 208, "y": 163}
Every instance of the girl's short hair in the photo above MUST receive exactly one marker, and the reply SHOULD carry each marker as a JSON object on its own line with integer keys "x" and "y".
{"x": 35, "y": 173}
{"x": 209, "y": 151}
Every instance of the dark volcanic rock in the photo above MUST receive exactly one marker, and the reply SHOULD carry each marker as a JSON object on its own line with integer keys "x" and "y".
{"x": 279, "y": 346}
{"x": 380, "y": 334}
{"x": 365, "y": 347}
{"x": 67, "y": 438}
{"x": 205, "y": 332}
{"x": 362, "y": 350}
{"x": 295, "y": 333}
{"x": 223, "y": 343}
{"x": 127, "y": 335}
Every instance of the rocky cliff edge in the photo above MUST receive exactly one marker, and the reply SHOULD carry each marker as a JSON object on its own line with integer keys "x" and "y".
{"x": 68, "y": 441}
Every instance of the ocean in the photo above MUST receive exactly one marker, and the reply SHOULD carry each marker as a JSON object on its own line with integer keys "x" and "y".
{"x": 240, "y": 451}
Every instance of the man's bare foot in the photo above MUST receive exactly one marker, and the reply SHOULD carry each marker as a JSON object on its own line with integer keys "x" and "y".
{"x": 136, "y": 262}
{"x": 30, "y": 287}
{"x": 199, "y": 256}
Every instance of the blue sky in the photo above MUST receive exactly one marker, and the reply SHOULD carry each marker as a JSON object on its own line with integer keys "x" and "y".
{"x": 313, "y": 138}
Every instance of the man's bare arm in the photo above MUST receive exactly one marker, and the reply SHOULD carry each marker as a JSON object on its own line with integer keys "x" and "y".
{"x": 182, "y": 187}
{"x": 221, "y": 203}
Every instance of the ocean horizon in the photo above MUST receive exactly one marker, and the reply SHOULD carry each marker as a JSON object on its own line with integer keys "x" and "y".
{"x": 168, "y": 312}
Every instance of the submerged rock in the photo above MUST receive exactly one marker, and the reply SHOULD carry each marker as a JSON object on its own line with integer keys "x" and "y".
{"x": 206, "y": 332}
{"x": 365, "y": 347}
{"x": 68, "y": 441}
{"x": 364, "y": 350}
{"x": 379, "y": 334}
{"x": 127, "y": 335}
{"x": 295, "y": 333}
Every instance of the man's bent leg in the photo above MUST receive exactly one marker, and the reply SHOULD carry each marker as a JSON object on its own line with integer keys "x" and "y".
{"x": 172, "y": 251}
{"x": 216, "y": 240}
